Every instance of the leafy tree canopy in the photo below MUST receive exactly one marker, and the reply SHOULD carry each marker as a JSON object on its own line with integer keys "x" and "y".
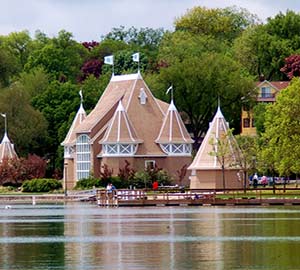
{"x": 199, "y": 76}
{"x": 223, "y": 23}
{"x": 282, "y": 135}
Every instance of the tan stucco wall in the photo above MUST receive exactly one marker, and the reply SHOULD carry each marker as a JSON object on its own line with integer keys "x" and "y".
{"x": 169, "y": 164}
{"x": 213, "y": 179}
{"x": 69, "y": 177}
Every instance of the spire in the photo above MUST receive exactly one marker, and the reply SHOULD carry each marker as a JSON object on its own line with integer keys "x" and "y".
{"x": 7, "y": 149}
{"x": 120, "y": 129}
{"x": 173, "y": 129}
{"x": 79, "y": 118}
{"x": 218, "y": 130}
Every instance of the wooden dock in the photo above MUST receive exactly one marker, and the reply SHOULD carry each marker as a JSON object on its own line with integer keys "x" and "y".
{"x": 139, "y": 198}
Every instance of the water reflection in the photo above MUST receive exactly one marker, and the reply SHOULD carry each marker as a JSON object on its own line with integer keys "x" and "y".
{"x": 84, "y": 236}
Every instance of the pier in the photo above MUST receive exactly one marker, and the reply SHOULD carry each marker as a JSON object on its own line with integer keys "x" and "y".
{"x": 187, "y": 197}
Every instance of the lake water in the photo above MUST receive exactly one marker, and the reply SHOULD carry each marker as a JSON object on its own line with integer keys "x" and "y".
{"x": 84, "y": 236}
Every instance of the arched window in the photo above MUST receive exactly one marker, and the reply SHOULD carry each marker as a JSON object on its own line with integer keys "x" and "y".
{"x": 83, "y": 154}
{"x": 177, "y": 149}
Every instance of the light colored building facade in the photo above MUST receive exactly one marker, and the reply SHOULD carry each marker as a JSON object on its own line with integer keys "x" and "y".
{"x": 267, "y": 92}
{"x": 218, "y": 149}
{"x": 128, "y": 123}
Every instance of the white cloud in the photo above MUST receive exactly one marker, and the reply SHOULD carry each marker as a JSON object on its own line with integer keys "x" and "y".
{"x": 89, "y": 19}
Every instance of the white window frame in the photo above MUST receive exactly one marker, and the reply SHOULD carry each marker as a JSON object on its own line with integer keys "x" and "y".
{"x": 119, "y": 149}
{"x": 68, "y": 151}
{"x": 176, "y": 149}
{"x": 83, "y": 157}
{"x": 147, "y": 162}
{"x": 266, "y": 92}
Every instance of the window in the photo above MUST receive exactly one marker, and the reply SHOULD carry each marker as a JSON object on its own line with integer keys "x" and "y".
{"x": 83, "y": 154}
{"x": 266, "y": 92}
{"x": 253, "y": 122}
{"x": 68, "y": 151}
{"x": 246, "y": 122}
{"x": 119, "y": 149}
{"x": 149, "y": 164}
{"x": 177, "y": 148}
{"x": 143, "y": 96}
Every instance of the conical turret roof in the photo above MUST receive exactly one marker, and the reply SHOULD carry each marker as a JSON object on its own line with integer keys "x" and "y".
{"x": 71, "y": 136}
{"x": 120, "y": 129}
{"x": 207, "y": 155}
{"x": 7, "y": 149}
{"x": 173, "y": 129}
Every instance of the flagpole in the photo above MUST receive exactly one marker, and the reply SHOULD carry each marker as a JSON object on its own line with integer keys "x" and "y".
{"x": 172, "y": 94}
{"x": 5, "y": 124}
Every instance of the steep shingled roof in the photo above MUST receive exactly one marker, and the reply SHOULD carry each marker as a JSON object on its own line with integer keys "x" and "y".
{"x": 218, "y": 130}
{"x": 146, "y": 118}
{"x": 71, "y": 136}
{"x": 173, "y": 130}
{"x": 120, "y": 129}
{"x": 7, "y": 149}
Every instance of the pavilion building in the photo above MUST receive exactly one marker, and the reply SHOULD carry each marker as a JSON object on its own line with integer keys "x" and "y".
{"x": 127, "y": 124}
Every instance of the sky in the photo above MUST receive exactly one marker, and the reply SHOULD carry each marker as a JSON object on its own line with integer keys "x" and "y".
{"x": 88, "y": 20}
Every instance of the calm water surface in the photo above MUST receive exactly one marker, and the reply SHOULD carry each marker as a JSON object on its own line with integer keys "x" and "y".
{"x": 84, "y": 236}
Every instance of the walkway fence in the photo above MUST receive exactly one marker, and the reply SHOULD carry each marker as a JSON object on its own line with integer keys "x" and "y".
{"x": 178, "y": 196}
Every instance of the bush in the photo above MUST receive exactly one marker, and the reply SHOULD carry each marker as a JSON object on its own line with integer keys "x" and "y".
{"x": 144, "y": 179}
{"x": 41, "y": 185}
{"x": 88, "y": 183}
{"x": 115, "y": 180}
{"x": 141, "y": 179}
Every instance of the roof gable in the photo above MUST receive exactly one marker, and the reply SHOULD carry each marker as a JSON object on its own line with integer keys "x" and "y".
{"x": 218, "y": 130}
{"x": 173, "y": 130}
{"x": 71, "y": 135}
{"x": 120, "y": 129}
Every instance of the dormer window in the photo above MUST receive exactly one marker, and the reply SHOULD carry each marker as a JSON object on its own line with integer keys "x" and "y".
{"x": 176, "y": 149}
{"x": 266, "y": 92}
{"x": 143, "y": 96}
{"x": 119, "y": 149}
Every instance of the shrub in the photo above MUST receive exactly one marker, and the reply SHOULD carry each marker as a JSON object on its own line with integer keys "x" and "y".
{"x": 41, "y": 185}
{"x": 141, "y": 179}
{"x": 126, "y": 174}
{"x": 115, "y": 180}
{"x": 88, "y": 183}
{"x": 144, "y": 179}
{"x": 163, "y": 178}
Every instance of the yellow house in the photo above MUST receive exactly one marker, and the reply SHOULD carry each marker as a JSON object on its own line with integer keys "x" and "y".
{"x": 267, "y": 92}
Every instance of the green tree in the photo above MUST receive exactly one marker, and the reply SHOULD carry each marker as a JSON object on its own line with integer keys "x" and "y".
{"x": 281, "y": 140}
{"x": 259, "y": 116}
{"x": 263, "y": 48}
{"x": 19, "y": 45}
{"x": 56, "y": 104}
{"x": 27, "y": 128}
{"x": 222, "y": 23}
{"x": 8, "y": 67}
{"x": 250, "y": 150}
{"x": 61, "y": 57}
{"x": 144, "y": 37}
{"x": 199, "y": 76}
